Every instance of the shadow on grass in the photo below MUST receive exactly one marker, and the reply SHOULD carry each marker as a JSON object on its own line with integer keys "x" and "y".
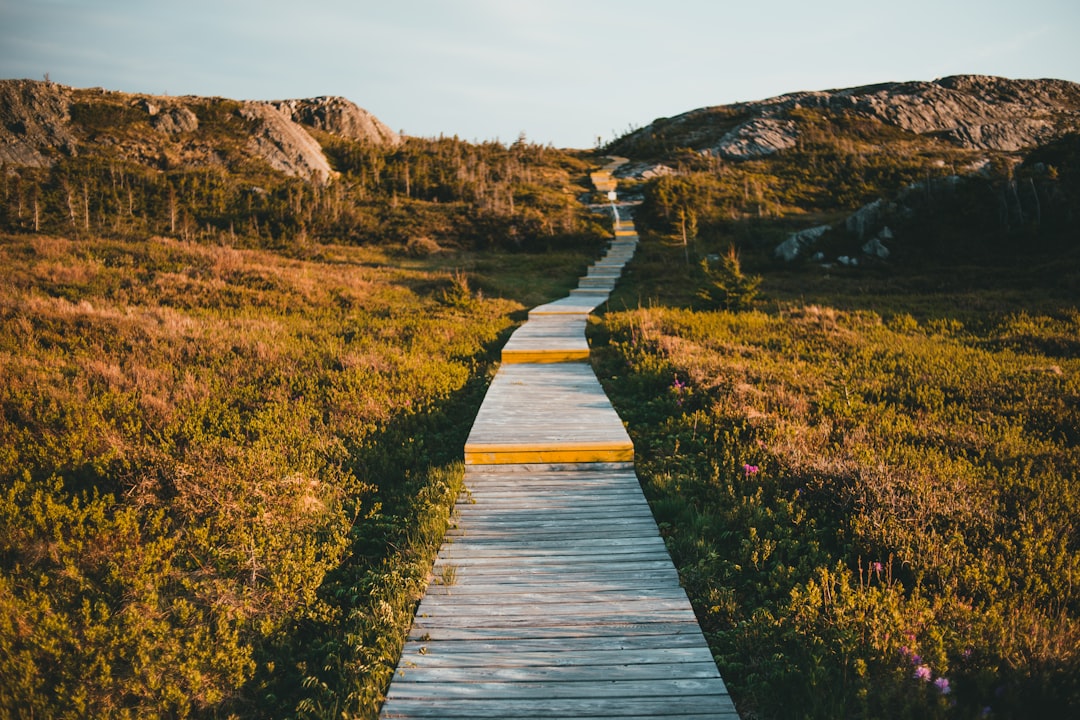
{"x": 340, "y": 658}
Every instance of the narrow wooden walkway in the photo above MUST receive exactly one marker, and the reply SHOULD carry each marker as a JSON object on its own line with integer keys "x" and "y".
{"x": 553, "y": 595}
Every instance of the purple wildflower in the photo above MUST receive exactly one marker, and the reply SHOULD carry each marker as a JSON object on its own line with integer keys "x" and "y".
{"x": 942, "y": 685}
{"x": 922, "y": 673}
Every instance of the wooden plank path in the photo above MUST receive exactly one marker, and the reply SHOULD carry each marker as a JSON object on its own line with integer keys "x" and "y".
{"x": 553, "y": 595}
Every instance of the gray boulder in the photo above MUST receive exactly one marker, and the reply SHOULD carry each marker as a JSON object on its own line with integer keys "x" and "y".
{"x": 284, "y": 144}
{"x": 175, "y": 120}
{"x": 758, "y": 138}
{"x": 797, "y": 242}
{"x": 338, "y": 116}
{"x": 34, "y": 121}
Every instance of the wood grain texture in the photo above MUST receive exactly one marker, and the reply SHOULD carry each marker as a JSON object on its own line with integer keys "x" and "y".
{"x": 553, "y": 595}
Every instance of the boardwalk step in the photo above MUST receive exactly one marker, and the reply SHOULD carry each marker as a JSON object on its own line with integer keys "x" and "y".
{"x": 553, "y": 595}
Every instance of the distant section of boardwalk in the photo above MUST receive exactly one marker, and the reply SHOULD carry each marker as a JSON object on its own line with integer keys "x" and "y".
{"x": 553, "y": 595}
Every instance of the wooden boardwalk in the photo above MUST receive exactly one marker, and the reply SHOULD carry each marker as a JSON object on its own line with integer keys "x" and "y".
{"x": 553, "y": 595}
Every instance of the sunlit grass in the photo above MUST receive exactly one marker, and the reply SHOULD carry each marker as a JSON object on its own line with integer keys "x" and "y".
{"x": 226, "y": 471}
{"x": 916, "y": 493}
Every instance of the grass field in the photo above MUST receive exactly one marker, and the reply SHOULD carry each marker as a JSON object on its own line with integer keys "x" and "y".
{"x": 870, "y": 482}
{"x": 225, "y": 471}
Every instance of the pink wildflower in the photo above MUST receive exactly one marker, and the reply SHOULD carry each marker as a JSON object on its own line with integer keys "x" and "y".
{"x": 877, "y": 567}
{"x": 942, "y": 685}
{"x": 922, "y": 673}
{"x": 750, "y": 469}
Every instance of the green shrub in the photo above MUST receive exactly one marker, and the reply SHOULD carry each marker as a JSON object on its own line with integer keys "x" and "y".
{"x": 726, "y": 287}
{"x": 865, "y": 514}
{"x": 224, "y": 472}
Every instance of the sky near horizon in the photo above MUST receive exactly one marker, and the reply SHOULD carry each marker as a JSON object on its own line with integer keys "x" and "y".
{"x": 565, "y": 72}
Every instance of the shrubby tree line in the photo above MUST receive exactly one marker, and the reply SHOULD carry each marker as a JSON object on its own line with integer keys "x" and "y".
{"x": 842, "y": 162}
{"x": 477, "y": 196}
{"x": 221, "y": 480}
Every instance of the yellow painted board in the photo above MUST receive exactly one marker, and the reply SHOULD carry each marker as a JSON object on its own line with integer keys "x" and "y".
{"x": 530, "y": 453}
{"x": 539, "y": 456}
{"x": 558, "y": 406}
{"x": 544, "y": 356}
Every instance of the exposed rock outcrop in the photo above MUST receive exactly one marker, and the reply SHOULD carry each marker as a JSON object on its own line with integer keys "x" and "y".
{"x": 42, "y": 120}
{"x": 284, "y": 144}
{"x": 798, "y": 242}
{"x": 175, "y": 120}
{"x": 34, "y": 122}
{"x": 875, "y": 246}
{"x": 757, "y": 138}
{"x": 970, "y": 111}
{"x": 339, "y": 116}
{"x": 643, "y": 171}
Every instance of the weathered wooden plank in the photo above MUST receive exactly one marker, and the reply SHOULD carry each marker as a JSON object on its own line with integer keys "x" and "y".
{"x": 621, "y": 630}
{"x": 512, "y": 607}
{"x": 535, "y": 413}
{"x": 426, "y": 655}
{"x": 520, "y": 534}
{"x": 569, "y": 602}
{"x": 553, "y": 595}
{"x": 604, "y": 282}
{"x": 515, "y": 536}
{"x": 522, "y": 566}
{"x": 537, "y": 592}
{"x": 540, "y": 531}
{"x": 613, "y": 642}
{"x": 495, "y": 517}
{"x": 469, "y": 567}
{"x": 716, "y": 707}
{"x": 555, "y": 338}
{"x": 550, "y": 549}
{"x": 537, "y": 619}
{"x": 533, "y": 575}
{"x": 591, "y": 478}
{"x": 552, "y": 501}
{"x": 479, "y": 673}
{"x": 538, "y": 690}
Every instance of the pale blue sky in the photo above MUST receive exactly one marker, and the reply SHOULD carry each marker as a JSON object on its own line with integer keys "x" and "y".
{"x": 562, "y": 71}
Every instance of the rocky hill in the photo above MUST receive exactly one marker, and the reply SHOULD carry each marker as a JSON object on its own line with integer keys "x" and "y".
{"x": 338, "y": 116}
{"x": 40, "y": 121}
{"x": 966, "y": 111}
{"x": 955, "y": 167}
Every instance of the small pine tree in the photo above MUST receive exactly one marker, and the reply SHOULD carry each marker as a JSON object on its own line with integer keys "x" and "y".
{"x": 726, "y": 287}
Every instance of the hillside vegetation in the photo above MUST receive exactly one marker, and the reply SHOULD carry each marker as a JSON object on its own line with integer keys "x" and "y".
{"x": 867, "y": 476}
{"x": 234, "y": 399}
{"x": 241, "y": 346}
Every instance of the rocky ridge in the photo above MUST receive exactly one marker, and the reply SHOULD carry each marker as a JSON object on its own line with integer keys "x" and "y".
{"x": 34, "y": 116}
{"x": 37, "y": 124}
{"x": 969, "y": 111}
{"x": 339, "y": 116}
{"x": 284, "y": 144}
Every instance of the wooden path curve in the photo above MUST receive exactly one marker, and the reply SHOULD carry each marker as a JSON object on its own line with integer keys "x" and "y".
{"x": 553, "y": 595}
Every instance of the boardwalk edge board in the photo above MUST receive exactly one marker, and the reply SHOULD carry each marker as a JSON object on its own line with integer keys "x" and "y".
{"x": 553, "y": 595}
